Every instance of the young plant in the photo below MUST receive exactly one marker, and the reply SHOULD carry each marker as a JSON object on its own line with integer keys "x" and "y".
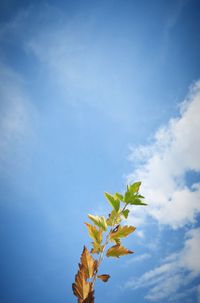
{"x": 104, "y": 232}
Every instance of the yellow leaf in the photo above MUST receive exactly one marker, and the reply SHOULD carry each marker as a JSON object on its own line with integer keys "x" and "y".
{"x": 97, "y": 248}
{"x": 95, "y": 233}
{"x": 114, "y": 218}
{"x": 104, "y": 277}
{"x": 99, "y": 221}
{"x": 121, "y": 232}
{"x": 88, "y": 263}
{"x": 117, "y": 251}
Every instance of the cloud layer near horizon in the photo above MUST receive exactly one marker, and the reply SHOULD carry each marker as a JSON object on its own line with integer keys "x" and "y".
{"x": 171, "y": 279}
{"x": 167, "y": 161}
{"x": 169, "y": 168}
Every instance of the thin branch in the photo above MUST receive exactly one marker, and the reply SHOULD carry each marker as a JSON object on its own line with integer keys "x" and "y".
{"x": 101, "y": 256}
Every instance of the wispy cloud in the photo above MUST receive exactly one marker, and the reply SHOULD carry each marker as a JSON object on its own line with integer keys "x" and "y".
{"x": 65, "y": 51}
{"x": 17, "y": 115}
{"x": 165, "y": 163}
{"x": 139, "y": 258}
{"x": 171, "y": 22}
{"x": 175, "y": 272}
{"x": 82, "y": 66}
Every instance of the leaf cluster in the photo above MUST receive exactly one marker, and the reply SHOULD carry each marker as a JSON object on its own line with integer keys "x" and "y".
{"x": 114, "y": 232}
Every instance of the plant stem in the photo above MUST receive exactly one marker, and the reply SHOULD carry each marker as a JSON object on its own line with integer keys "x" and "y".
{"x": 101, "y": 256}
{"x": 124, "y": 207}
{"x": 100, "y": 259}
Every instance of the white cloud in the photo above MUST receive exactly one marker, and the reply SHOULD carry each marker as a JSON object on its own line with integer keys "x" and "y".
{"x": 176, "y": 272}
{"x": 174, "y": 152}
{"x": 163, "y": 169}
{"x": 190, "y": 256}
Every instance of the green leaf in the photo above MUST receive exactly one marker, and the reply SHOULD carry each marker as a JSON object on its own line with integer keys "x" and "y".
{"x": 99, "y": 221}
{"x": 119, "y": 196}
{"x": 140, "y": 196}
{"x": 137, "y": 201}
{"x": 134, "y": 188}
{"x": 127, "y": 197}
{"x": 118, "y": 251}
{"x": 121, "y": 232}
{"x": 125, "y": 213}
{"x": 133, "y": 198}
{"x": 114, "y": 201}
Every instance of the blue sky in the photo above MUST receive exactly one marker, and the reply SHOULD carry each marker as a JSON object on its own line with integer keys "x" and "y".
{"x": 95, "y": 94}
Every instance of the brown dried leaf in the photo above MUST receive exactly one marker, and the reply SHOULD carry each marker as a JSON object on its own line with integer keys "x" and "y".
{"x": 104, "y": 277}
{"x": 90, "y": 298}
{"x": 117, "y": 251}
{"x": 81, "y": 287}
{"x": 88, "y": 263}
